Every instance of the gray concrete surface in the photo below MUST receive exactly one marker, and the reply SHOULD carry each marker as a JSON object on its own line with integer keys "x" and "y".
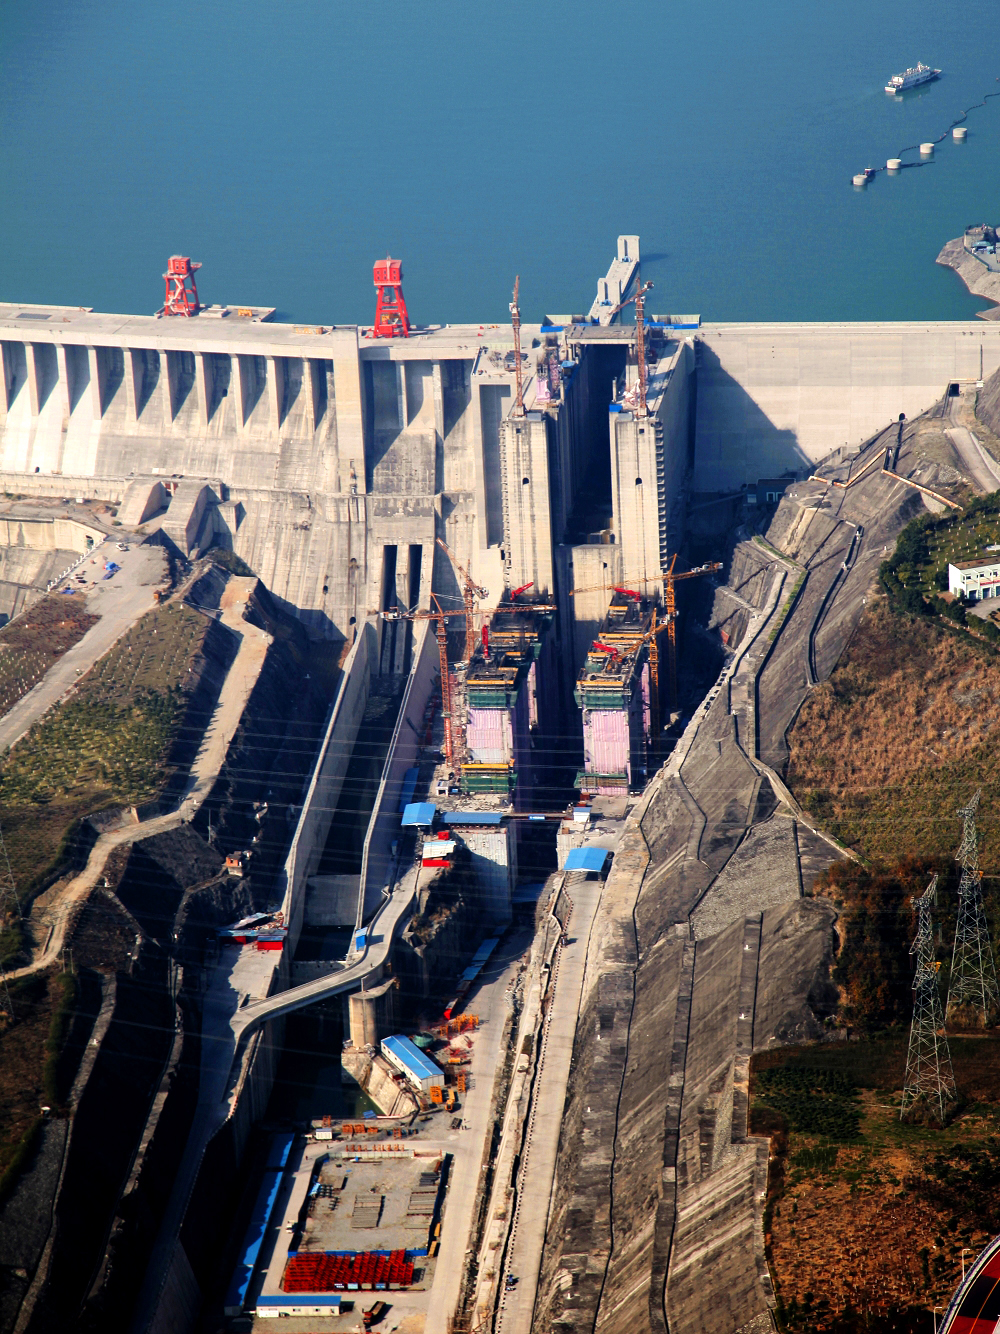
{"x": 119, "y": 602}
{"x": 538, "y": 1160}
{"x": 702, "y": 950}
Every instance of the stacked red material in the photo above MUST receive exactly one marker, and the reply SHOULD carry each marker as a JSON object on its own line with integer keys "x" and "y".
{"x": 319, "y": 1271}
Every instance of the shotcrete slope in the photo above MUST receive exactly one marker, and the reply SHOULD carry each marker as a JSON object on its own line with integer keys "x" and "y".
{"x": 704, "y": 949}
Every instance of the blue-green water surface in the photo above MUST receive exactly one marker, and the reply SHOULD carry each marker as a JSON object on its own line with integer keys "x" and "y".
{"x": 288, "y": 144}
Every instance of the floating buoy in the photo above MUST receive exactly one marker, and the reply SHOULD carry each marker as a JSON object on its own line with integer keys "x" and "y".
{"x": 926, "y": 150}
{"x": 860, "y": 179}
{"x": 959, "y": 133}
{"x": 894, "y": 163}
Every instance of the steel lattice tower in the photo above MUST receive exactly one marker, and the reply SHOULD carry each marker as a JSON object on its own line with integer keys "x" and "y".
{"x": 929, "y": 1076}
{"x": 973, "y": 983}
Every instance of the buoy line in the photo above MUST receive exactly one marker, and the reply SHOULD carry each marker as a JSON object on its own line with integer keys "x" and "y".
{"x": 925, "y": 149}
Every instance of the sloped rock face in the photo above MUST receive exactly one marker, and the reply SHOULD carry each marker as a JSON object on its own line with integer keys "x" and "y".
{"x": 988, "y": 403}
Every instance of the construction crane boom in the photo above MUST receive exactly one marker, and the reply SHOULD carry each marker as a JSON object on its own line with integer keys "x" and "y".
{"x": 470, "y": 592}
{"x": 640, "y": 334}
{"x": 437, "y": 613}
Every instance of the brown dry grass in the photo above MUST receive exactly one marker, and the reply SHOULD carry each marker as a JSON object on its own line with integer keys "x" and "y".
{"x": 851, "y": 1233}
{"x": 901, "y": 735}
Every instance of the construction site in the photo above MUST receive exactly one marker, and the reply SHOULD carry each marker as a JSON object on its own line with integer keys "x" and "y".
{"x": 411, "y": 763}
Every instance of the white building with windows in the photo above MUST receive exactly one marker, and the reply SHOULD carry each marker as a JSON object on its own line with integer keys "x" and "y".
{"x": 975, "y": 579}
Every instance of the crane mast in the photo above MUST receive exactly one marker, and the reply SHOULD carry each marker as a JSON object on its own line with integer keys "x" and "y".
{"x": 515, "y": 321}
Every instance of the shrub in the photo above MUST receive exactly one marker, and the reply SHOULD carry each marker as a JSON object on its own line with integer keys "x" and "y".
{"x": 812, "y": 1100}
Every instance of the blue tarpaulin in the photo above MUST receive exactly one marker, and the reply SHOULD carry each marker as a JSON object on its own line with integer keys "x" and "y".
{"x": 471, "y": 817}
{"x": 419, "y": 813}
{"x": 586, "y": 859}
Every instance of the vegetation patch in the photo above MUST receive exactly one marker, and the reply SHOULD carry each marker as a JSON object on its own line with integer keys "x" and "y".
{"x": 899, "y": 737}
{"x": 813, "y": 1100}
{"x": 868, "y": 1233}
{"x": 32, "y": 643}
{"x": 36, "y": 1000}
{"x": 916, "y": 575}
{"x": 108, "y": 745}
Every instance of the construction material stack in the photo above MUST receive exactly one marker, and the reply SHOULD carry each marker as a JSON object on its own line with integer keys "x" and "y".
{"x": 613, "y": 692}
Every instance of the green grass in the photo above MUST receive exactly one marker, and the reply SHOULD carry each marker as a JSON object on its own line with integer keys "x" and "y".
{"x": 811, "y": 1099}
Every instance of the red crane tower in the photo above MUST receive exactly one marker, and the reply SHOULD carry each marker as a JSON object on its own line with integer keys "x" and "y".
{"x": 391, "y": 317}
{"x": 180, "y": 299}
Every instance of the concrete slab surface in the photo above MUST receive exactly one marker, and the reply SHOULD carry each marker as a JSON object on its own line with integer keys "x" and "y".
{"x": 119, "y": 602}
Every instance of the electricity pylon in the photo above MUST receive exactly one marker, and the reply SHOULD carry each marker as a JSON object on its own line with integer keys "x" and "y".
{"x": 972, "y": 987}
{"x": 929, "y": 1076}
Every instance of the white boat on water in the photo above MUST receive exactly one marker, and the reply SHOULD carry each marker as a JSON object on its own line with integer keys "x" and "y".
{"x": 911, "y": 78}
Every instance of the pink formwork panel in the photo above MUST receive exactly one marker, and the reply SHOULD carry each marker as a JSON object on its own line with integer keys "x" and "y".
{"x": 488, "y": 736}
{"x": 606, "y": 742}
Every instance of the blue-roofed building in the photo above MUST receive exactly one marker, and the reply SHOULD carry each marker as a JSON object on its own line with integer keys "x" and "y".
{"x": 407, "y": 1058}
{"x": 252, "y": 1242}
{"x": 586, "y": 859}
{"x": 418, "y": 815}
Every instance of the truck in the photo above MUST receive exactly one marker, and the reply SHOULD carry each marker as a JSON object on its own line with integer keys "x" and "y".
{"x": 374, "y": 1314}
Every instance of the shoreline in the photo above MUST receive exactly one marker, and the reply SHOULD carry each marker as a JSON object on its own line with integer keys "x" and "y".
{"x": 980, "y": 280}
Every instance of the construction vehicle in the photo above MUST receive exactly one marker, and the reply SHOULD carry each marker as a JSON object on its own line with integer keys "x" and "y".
{"x": 450, "y": 1101}
{"x": 374, "y": 1314}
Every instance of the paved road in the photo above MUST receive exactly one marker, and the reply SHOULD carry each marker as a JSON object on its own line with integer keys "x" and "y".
{"x": 538, "y": 1165}
{"x": 983, "y": 470}
{"x": 240, "y": 680}
{"x": 467, "y": 1145}
{"x": 119, "y": 602}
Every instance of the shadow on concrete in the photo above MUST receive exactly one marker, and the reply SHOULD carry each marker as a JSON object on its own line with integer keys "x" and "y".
{"x": 735, "y": 440}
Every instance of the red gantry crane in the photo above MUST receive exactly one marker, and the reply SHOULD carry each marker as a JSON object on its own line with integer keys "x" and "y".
{"x": 180, "y": 299}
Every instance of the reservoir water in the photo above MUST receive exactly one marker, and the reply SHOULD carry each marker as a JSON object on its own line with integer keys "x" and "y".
{"x": 287, "y": 146}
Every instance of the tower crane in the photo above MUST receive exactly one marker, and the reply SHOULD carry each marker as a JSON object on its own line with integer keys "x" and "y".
{"x": 650, "y": 638}
{"x": 437, "y": 613}
{"x": 515, "y": 321}
{"x": 640, "y": 334}
{"x": 669, "y": 579}
{"x": 470, "y": 592}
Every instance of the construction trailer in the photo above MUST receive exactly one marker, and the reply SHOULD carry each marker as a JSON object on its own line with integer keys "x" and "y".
{"x": 614, "y": 693}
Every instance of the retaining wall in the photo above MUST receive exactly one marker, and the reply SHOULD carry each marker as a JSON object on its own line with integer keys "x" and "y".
{"x": 384, "y": 826}
{"x": 328, "y": 778}
{"x": 774, "y": 397}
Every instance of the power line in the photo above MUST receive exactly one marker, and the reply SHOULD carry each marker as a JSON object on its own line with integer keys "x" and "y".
{"x": 972, "y": 987}
{"x": 930, "y": 1080}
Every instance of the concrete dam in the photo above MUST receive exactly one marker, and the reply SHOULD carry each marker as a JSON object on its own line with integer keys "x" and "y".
{"x": 554, "y": 468}
{"x": 330, "y": 461}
